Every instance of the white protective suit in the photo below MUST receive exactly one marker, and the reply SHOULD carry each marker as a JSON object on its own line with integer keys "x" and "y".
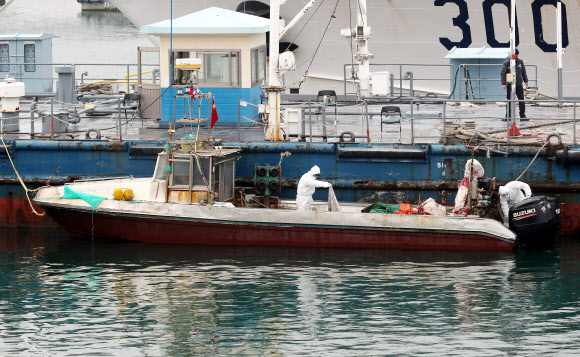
{"x": 510, "y": 194}
{"x": 306, "y": 187}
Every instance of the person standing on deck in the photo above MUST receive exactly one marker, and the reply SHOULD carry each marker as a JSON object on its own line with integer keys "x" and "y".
{"x": 306, "y": 187}
{"x": 521, "y": 78}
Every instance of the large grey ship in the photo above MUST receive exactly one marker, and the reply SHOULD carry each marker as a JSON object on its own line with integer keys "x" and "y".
{"x": 405, "y": 32}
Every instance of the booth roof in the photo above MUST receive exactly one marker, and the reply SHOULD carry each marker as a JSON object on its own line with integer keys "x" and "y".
{"x": 210, "y": 21}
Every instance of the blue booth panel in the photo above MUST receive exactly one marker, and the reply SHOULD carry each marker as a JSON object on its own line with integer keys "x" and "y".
{"x": 226, "y": 102}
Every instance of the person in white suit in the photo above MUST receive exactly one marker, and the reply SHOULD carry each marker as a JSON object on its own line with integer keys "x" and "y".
{"x": 306, "y": 187}
{"x": 510, "y": 194}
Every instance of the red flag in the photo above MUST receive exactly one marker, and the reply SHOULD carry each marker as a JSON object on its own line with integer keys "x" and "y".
{"x": 214, "y": 116}
{"x": 514, "y": 131}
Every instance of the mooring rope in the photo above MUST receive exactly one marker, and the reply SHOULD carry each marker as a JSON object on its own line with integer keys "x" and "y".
{"x": 26, "y": 190}
{"x": 543, "y": 146}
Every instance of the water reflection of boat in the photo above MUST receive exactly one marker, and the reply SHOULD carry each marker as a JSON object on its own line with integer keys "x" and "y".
{"x": 189, "y": 200}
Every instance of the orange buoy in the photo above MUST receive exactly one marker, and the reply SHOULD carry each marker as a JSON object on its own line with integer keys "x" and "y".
{"x": 118, "y": 194}
{"x": 128, "y": 194}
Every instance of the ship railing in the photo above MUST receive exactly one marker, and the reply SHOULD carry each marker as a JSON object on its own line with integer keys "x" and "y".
{"x": 442, "y": 78}
{"x": 407, "y": 73}
{"x": 565, "y": 112}
{"x": 121, "y": 75}
{"x": 361, "y": 121}
{"x": 471, "y": 88}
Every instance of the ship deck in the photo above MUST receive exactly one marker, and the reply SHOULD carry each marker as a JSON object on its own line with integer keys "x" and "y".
{"x": 419, "y": 124}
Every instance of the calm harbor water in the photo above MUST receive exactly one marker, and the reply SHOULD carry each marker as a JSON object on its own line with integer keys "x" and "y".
{"x": 81, "y": 297}
{"x": 61, "y": 296}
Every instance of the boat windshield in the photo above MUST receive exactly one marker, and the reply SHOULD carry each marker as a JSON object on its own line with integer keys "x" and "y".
{"x": 160, "y": 167}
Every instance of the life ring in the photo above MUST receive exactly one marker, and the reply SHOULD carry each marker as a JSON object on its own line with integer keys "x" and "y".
{"x": 349, "y": 133}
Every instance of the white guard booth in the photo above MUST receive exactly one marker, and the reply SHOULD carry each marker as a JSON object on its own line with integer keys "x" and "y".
{"x": 232, "y": 49}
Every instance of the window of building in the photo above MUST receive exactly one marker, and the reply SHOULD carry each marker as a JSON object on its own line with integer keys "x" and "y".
{"x": 4, "y": 57}
{"x": 258, "y": 58}
{"x": 218, "y": 69}
{"x": 29, "y": 57}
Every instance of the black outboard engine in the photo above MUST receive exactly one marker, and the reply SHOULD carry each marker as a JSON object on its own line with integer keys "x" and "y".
{"x": 535, "y": 220}
{"x": 555, "y": 208}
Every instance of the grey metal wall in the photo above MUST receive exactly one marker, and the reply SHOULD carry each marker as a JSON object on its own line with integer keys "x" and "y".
{"x": 150, "y": 104}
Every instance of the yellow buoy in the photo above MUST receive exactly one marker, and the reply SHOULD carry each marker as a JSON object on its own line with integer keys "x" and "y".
{"x": 118, "y": 194}
{"x": 128, "y": 194}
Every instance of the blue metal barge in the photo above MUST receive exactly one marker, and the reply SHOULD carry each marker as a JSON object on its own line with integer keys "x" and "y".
{"x": 358, "y": 171}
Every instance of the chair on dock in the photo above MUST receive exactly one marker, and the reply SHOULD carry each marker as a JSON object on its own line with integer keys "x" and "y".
{"x": 387, "y": 111}
{"x": 130, "y": 102}
{"x": 328, "y": 94}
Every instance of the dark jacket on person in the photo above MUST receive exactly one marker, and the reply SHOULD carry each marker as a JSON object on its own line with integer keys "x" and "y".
{"x": 521, "y": 75}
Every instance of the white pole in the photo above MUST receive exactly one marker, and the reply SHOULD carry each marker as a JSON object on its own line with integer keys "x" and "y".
{"x": 364, "y": 55}
{"x": 273, "y": 88}
{"x": 513, "y": 59}
{"x": 273, "y": 80}
{"x": 559, "y": 47}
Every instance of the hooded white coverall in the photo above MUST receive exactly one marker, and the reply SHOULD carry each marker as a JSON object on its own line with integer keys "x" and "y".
{"x": 306, "y": 187}
{"x": 510, "y": 194}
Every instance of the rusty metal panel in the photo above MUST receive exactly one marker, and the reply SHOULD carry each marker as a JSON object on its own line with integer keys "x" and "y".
{"x": 181, "y": 196}
{"x": 150, "y": 102}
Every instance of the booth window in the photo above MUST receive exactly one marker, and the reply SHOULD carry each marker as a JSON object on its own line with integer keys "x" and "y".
{"x": 258, "y": 56}
{"x": 218, "y": 69}
{"x": 29, "y": 57}
{"x": 4, "y": 57}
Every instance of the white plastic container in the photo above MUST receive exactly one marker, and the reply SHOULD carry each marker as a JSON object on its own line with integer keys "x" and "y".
{"x": 10, "y": 93}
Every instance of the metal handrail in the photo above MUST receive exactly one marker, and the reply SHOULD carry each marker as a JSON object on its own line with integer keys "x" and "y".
{"x": 401, "y": 76}
{"x": 461, "y": 79}
{"x": 125, "y": 78}
{"x": 307, "y": 132}
{"x": 444, "y": 102}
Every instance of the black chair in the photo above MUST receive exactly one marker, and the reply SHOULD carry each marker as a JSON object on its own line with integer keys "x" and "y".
{"x": 387, "y": 111}
{"x": 327, "y": 93}
{"x": 130, "y": 102}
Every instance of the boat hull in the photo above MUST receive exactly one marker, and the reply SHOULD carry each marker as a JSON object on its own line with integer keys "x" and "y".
{"x": 192, "y": 231}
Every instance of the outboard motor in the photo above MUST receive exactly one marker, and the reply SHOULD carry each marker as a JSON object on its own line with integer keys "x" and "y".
{"x": 555, "y": 208}
{"x": 534, "y": 220}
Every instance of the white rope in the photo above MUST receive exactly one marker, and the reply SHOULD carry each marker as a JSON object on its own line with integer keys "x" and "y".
{"x": 543, "y": 146}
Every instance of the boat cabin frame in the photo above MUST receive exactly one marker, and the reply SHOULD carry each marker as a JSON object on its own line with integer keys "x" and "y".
{"x": 197, "y": 176}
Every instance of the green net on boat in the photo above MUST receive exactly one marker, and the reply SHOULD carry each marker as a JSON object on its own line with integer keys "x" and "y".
{"x": 92, "y": 200}
{"x": 379, "y": 207}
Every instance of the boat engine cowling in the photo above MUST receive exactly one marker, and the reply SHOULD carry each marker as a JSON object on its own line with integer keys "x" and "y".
{"x": 555, "y": 208}
{"x": 535, "y": 218}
